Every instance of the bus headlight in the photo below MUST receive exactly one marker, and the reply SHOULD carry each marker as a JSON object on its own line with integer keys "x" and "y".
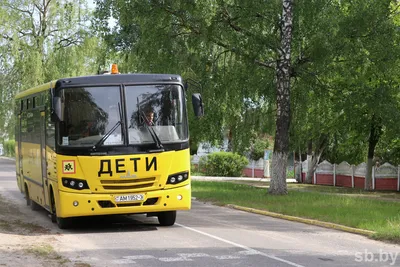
{"x": 178, "y": 178}
{"x": 74, "y": 183}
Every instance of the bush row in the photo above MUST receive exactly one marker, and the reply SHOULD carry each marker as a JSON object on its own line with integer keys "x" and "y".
{"x": 224, "y": 164}
{"x": 9, "y": 148}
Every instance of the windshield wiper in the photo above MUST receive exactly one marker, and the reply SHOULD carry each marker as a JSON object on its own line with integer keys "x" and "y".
{"x": 106, "y": 135}
{"x": 153, "y": 134}
{"x": 120, "y": 122}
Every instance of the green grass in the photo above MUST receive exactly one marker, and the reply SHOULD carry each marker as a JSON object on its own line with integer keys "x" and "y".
{"x": 43, "y": 250}
{"x": 47, "y": 252}
{"x": 373, "y": 214}
{"x": 197, "y": 173}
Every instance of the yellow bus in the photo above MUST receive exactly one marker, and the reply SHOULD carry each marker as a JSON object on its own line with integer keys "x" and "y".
{"x": 86, "y": 146}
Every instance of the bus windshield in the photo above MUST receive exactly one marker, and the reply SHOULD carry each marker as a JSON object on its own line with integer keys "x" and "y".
{"x": 90, "y": 113}
{"x": 95, "y": 116}
{"x": 159, "y": 107}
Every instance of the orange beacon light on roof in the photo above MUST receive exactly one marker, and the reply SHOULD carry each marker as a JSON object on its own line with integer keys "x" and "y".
{"x": 114, "y": 69}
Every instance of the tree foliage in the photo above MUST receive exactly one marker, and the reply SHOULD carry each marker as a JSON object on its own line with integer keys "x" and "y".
{"x": 233, "y": 49}
{"x": 344, "y": 60}
{"x": 322, "y": 72}
{"x": 41, "y": 41}
{"x": 351, "y": 96}
{"x": 199, "y": 40}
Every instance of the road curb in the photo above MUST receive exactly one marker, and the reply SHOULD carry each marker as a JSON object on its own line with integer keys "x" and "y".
{"x": 7, "y": 158}
{"x": 230, "y": 179}
{"x": 306, "y": 221}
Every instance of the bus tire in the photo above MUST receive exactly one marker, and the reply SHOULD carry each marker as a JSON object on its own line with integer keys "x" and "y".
{"x": 53, "y": 207}
{"x": 167, "y": 218}
{"x": 27, "y": 197}
{"x": 64, "y": 223}
{"x": 34, "y": 206}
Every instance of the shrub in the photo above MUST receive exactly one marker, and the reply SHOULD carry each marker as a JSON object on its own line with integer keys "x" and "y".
{"x": 225, "y": 164}
{"x": 257, "y": 148}
{"x": 194, "y": 168}
{"x": 9, "y": 148}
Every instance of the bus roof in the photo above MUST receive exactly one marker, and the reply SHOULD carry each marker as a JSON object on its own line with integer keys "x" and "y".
{"x": 35, "y": 89}
{"x": 104, "y": 79}
{"x": 121, "y": 79}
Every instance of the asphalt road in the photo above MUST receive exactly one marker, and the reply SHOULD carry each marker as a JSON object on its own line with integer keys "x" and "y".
{"x": 206, "y": 235}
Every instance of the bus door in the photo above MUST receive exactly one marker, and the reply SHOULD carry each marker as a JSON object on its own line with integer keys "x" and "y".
{"x": 43, "y": 158}
{"x": 20, "y": 176}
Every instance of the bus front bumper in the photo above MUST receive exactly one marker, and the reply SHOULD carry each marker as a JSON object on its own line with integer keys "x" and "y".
{"x": 75, "y": 204}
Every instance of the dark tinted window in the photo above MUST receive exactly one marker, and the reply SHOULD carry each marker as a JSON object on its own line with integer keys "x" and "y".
{"x": 89, "y": 114}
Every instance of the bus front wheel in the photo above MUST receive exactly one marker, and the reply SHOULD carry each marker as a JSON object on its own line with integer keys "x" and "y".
{"x": 27, "y": 197}
{"x": 167, "y": 218}
{"x": 62, "y": 223}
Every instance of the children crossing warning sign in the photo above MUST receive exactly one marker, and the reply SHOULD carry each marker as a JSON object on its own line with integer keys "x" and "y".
{"x": 68, "y": 166}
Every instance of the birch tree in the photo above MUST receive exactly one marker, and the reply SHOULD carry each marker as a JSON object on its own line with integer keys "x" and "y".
{"x": 281, "y": 144}
{"x": 41, "y": 40}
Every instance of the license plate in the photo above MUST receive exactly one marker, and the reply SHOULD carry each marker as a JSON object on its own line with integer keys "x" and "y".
{"x": 127, "y": 198}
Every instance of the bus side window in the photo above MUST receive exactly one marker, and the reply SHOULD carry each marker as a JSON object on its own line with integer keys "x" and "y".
{"x": 50, "y": 126}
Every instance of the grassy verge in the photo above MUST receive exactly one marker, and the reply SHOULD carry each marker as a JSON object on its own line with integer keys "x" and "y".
{"x": 324, "y": 189}
{"x": 372, "y": 214}
{"x": 197, "y": 173}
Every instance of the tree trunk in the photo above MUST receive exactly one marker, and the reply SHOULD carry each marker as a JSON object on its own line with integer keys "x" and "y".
{"x": 374, "y": 135}
{"x": 281, "y": 147}
{"x": 230, "y": 141}
{"x": 368, "y": 175}
{"x": 313, "y": 157}
{"x": 300, "y": 175}
{"x": 310, "y": 163}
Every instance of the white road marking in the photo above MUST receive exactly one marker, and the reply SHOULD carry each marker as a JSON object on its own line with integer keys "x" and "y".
{"x": 193, "y": 255}
{"x": 249, "y": 252}
{"x": 227, "y": 257}
{"x": 139, "y": 257}
{"x": 174, "y": 259}
{"x": 240, "y": 246}
{"x": 123, "y": 261}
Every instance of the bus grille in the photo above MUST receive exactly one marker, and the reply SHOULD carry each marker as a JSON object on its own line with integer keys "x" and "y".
{"x": 127, "y": 184}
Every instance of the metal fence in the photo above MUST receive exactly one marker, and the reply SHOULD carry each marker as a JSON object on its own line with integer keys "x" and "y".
{"x": 384, "y": 177}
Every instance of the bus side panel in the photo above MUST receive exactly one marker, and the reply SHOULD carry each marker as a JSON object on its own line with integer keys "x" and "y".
{"x": 50, "y": 168}
{"x": 31, "y": 156}
{"x": 17, "y": 150}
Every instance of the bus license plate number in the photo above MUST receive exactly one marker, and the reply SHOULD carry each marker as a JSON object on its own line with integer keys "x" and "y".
{"x": 127, "y": 198}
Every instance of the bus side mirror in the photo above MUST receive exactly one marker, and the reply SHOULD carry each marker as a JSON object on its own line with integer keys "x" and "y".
{"x": 56, "y": 111}
{"x": 198, "y": 106}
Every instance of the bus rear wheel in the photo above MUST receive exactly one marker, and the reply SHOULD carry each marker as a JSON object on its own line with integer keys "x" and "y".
{"x": 29, "y": 201}
{"x": 34, "y": 205}
{"x": 167, "y": 218}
